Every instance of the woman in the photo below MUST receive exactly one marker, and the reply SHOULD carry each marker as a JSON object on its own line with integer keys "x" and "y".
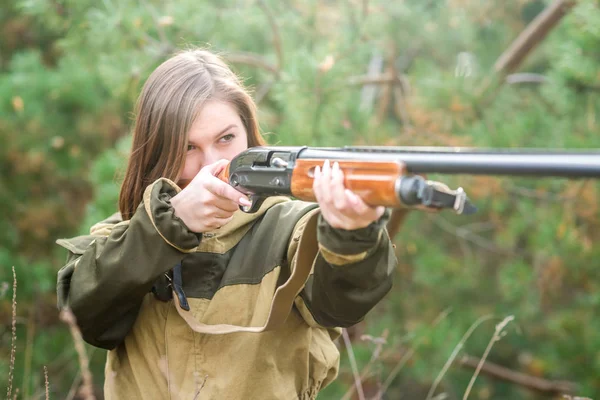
{"x": 180, "y": 236}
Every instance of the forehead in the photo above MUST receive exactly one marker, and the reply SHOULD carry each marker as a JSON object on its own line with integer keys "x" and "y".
{"x": 212, "y": 119}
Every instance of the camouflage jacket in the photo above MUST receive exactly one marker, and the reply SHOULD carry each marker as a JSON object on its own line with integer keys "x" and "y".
{"x": 121, "y": 281}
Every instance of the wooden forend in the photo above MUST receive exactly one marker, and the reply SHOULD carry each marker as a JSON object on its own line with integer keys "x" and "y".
{"x": 373, "y": 181}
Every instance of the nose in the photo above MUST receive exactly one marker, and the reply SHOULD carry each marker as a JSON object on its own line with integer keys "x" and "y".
{"x": 211, "y": 156}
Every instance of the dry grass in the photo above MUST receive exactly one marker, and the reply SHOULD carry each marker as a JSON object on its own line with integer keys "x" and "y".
{"x": 499, "y": 333}
{"x": 46, "y": 383}
{"x": 86, "y": 391}
{"x": 359, "y": 377}
{"x": 13, "y": 342}
{"x": 454, "y": 354}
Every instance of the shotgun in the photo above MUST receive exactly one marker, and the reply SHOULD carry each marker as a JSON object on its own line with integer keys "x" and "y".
{"x": 389, "y": 176}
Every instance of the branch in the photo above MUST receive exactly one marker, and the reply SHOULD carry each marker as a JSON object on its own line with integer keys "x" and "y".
{"x": 526, "y": 78}
{"x": 401, "y": 107}
{"x": 257, "y": 61}
{"x": 580, "y": 86}
{"x": 276, "y": 34}
{"x": 527, "y": 381}
{"x": 381, "y": 79}
{"x": 252, "y": 60}
{"x": 365, "y": 8}
{"x": 367, "y": 96}
{"x": 397, "y": 218}
{"x": 399, "y": 93}
{"x": 547, "y": 196}
{"x": 469, "y": 236}
{"x": 87, "y": 389}
{"x": 535, "y": 33}
{"x": 525, "y": 43}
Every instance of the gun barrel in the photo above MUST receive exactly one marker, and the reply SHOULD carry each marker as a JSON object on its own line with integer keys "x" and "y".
{"x": 513, "y": 162}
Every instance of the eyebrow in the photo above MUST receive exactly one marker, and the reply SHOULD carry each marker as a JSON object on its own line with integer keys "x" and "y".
{"x": 218, "y": 134}
{"x": 228, "y": 127}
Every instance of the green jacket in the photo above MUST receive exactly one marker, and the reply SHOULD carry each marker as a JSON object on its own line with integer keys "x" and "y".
{"x": 120, "y": 282}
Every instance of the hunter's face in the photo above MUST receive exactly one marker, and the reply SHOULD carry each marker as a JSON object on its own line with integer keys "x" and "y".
{"x": 218, "y": 133}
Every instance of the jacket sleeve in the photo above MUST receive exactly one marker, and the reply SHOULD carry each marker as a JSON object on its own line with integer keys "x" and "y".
{"x": 108, "y": 272}
{"x": 351, "y": 273}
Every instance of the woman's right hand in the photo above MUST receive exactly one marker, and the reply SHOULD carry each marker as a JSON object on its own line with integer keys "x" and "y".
{"x": 208, "y": 203}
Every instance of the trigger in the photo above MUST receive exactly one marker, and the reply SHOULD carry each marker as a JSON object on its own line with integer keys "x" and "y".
{"x": 256, "y": 201}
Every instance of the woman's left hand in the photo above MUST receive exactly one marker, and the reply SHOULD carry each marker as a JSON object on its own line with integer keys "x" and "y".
{"x": 340, "y": 207}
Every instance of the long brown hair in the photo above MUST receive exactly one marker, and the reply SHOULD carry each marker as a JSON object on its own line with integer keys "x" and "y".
{"x": 170, "y": 100}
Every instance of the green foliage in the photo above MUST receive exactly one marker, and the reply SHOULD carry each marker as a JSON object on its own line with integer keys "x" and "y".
{"x": 69, "y": 75}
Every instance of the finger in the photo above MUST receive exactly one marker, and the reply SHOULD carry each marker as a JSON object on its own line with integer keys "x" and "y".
{"x": 216, "y": 167}
{"x": 216, "y": 210}
{"x": 216, "y": 223}
{"x": 222, "y": 203}
{"x": 373, "y": 214}
{"x": 226, "y": 191}
{"x": 317, "y": 175}
{"x": 317, "y": 183}
{"x": 362, "y": 209}
{"x": 325, "y": 183}
{"x": 357, "y": 203}
{"x": 337, "y": 188}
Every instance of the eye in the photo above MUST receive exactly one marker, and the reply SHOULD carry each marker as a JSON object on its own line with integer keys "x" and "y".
{"x": 227, "y": 138}
{"x": 191, "y": 147}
